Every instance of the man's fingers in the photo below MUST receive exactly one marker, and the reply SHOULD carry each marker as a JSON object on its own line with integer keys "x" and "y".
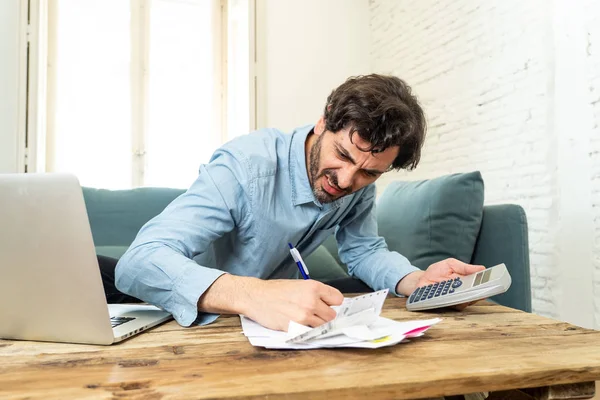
{"x": 324, "y": 312}
{"x": 331, "y": 295}
{"x": 315, "y": 315}
{"x": 462, "y": 306}
{"x": 312, "y": 320}
{"x": 463, "y": 268}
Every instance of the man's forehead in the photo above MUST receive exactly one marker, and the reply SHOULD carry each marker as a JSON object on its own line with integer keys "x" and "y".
{"x": 356, "y": 146}
{"x": 349, "y": 139}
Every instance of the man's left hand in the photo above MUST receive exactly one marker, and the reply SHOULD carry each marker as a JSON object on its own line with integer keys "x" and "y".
{"x": 449, "y": 268}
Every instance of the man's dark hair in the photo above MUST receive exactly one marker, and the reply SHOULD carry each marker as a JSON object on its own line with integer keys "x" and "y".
{"x": 383, "y": 111}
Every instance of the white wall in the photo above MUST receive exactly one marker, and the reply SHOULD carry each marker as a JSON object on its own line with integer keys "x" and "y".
{"x": 511, "y": 88}
{"x": 592, "y": 28}
{"x": 307, "y": 48}
{"x": 9, "y": 89}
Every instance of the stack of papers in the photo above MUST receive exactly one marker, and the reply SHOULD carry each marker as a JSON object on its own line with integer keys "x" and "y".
{"x": 358, "y": 324}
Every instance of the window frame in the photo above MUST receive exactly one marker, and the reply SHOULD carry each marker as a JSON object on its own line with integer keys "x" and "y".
{"x": 38, "y": 141}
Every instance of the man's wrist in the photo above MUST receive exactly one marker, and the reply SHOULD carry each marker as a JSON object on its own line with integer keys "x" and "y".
{"x": 409, "y": 283}
{"x": 229, "y": 294}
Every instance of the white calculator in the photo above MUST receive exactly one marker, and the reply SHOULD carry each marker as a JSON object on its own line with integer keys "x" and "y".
{"x": 477, "y": 286}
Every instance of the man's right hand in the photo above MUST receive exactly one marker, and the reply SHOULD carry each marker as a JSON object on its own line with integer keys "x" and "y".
{"x": 273, "y": 303}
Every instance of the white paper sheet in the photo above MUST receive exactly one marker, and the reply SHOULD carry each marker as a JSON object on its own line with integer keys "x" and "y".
{"x": 366, "y": 328}
{"x": 390, "y": 332}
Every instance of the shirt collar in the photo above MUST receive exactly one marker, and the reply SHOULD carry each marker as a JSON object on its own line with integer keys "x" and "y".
{"x": 301, "y": 189}
{"x": 302, "y": 192}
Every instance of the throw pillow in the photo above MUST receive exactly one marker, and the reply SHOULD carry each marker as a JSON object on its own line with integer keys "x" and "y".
{"x": 431, "y": 220}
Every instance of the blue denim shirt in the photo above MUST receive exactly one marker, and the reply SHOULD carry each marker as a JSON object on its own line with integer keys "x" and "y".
{"x": 247, "y": 204}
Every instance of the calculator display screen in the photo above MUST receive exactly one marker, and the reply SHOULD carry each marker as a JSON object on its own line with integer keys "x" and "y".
{"x": 478, "y": 278}
{"x": 486, "y": 275}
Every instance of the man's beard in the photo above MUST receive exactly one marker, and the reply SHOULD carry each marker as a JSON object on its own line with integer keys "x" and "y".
{"x": 315, "y": 156}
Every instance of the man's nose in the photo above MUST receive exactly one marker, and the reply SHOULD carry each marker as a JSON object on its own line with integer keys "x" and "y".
{"x": 345, "y": 179}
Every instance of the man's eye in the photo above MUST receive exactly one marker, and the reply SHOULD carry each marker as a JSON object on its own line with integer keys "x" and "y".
{"x": 371, "y": 174}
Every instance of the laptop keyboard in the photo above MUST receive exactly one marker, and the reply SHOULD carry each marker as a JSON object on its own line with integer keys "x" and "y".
{"x": 116, "y": 321}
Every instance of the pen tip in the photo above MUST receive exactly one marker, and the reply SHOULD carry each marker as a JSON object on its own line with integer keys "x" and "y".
{"x": 291, "y": 247}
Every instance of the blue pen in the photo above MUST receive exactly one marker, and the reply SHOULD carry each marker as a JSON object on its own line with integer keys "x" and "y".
{"x": 299, "y": 261}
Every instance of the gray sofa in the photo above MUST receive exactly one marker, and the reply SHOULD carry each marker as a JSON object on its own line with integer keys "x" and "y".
{"x": 426, "y": 221}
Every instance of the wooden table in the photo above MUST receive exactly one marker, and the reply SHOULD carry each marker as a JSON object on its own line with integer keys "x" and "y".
{"x": 484, "y": 348}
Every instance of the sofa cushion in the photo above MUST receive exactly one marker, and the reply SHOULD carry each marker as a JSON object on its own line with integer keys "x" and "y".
{"x": 116, "y": 216}
{"x": 323, "y": 266}
{"x": 431, "y": 220}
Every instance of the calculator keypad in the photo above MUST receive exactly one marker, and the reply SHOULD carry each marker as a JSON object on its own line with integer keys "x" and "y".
{"x": 435, "y": 290}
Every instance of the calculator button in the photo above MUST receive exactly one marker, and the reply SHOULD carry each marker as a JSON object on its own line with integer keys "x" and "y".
{"x": 430, "y": 295}
{"x": 437, "y": 294}
{"x": 451, "y": 291}
{"x": 457, "y": 283}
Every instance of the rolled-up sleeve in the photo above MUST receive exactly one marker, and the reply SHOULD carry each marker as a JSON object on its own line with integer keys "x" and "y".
{"x": 365, "y": 252}
{"x": 158, "y": 266}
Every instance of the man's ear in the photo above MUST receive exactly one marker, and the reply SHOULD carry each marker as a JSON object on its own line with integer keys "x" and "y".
{"x": 320, "y": 126}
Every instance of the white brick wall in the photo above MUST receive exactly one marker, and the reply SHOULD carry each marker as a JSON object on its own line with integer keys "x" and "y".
{"x": 592, "y": 26}
{"x": 485, "y": 72}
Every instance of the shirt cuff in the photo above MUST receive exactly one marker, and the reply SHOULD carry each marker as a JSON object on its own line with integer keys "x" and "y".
{"x": 192, "y": 284}
{"x": 395, "y": 275}
{"x": 206, "y": 318}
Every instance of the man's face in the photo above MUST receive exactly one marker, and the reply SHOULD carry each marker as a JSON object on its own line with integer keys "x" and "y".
{"x": 337, "y": 166}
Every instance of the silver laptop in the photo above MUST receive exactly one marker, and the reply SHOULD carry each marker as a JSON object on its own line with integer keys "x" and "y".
{"x": 50, "y": 283}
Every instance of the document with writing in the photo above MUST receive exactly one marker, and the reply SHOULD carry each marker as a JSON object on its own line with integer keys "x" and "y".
{"x": 358, "y": 324}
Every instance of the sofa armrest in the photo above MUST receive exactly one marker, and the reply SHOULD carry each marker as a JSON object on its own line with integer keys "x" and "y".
{"x": 503, "y": 238}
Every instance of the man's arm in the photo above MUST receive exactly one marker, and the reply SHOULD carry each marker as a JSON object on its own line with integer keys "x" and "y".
{"x": 366, "y": 253}
{"x": 158, "y": 267}
{"x": 367, "y": 256}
